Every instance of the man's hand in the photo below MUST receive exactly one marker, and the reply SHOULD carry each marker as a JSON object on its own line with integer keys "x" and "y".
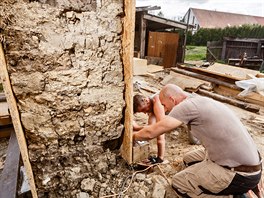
{"x": 158, "y": 108}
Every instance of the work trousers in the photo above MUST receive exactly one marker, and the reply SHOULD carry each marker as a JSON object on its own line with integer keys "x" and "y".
{"x": 204, "y": 178}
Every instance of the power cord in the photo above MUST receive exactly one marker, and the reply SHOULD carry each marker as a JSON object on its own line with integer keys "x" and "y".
{"x": 132, "y": 177}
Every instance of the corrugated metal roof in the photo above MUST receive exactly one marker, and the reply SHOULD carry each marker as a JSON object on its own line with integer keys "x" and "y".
{"x": 215, "y": 19}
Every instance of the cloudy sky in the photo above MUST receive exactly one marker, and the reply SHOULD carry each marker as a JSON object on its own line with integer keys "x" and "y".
{"x": 174, "y": 9}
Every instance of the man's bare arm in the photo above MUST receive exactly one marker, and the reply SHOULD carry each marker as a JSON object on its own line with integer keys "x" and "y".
{"x": 158, "y": 108}
{"x": 152, "y": 131}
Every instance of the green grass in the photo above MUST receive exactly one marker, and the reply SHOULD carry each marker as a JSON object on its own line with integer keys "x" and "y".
{"x": 193, "y": 53}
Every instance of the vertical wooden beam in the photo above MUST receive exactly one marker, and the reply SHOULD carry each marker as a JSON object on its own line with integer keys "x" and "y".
{"x": 223, "y": 51}
{"x": 142, "y": 35}
{"x": 128, "y": 48}
{"x": 185, "y": 36}
{"x": 259, "y": 49}
{"x": 16, "y": 121}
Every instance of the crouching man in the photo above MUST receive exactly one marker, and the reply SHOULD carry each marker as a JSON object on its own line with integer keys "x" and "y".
{"x": 228, "y": 165}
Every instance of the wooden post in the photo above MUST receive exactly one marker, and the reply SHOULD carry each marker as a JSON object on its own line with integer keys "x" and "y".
{"x": 223, "y": 51}
{"x": 259, "y": 49}
{"x": 142, "y": 35}
{"x": 16, "y": 121}
{"x": 185, "y": 36}
{"x": 128, "y": 48}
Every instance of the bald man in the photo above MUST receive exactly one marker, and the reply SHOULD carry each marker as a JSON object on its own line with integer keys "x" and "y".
{"x": 229, "y": 164}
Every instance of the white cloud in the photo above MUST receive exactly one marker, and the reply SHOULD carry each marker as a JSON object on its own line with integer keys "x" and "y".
{"x": 174, "y": 9}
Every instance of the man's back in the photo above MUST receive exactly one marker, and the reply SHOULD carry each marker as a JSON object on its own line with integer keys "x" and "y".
{"x": 219, "y": 130}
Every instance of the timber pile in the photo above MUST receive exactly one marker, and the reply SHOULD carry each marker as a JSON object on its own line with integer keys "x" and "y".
{"x": 218, "y": 82}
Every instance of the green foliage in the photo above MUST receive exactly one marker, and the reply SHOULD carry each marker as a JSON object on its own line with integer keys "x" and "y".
{"x": 195, "y": 53}
{"x": 203, "y": 35}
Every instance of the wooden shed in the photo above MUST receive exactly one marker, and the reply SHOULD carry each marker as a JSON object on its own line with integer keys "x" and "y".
{"x": 158, "y": 37}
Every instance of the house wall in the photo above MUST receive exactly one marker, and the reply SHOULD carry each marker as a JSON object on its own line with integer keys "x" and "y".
{"x": 65, "y": 65}
{"x": 192, "y": 20}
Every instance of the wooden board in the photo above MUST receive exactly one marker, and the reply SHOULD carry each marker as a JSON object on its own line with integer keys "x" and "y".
{"x": 183, "y": 81}
{"x": 9, "y": 176}
{"x": 5, "y": 118}
{"x": 16, "y": 121}
{"x": 139, "y": 66}
{"x": 251, "y": 98}
{"x": 235, "y": 72}
{"x": 5, "y": 131}
{"x": 154, "y": 68}
{"x": 128, "y": 48}
{"x": 4, "y": 109}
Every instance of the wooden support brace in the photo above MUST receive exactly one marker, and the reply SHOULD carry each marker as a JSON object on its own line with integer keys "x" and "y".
{"x": 16, "y": 121}
{"x": 128, "y": 48}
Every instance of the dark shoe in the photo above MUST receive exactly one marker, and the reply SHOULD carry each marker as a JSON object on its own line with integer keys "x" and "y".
{"x": 155, "y": 160}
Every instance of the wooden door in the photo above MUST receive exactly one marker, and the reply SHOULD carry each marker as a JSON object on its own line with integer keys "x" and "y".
{"x": 165, "y": 46}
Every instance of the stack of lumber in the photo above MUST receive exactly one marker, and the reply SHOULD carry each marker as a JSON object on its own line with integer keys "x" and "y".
{"x": 218, "y": 82}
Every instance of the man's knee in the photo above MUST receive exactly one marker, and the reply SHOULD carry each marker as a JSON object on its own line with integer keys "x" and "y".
{"x": 179, "y": 193}
{"x": 193, "y": 157}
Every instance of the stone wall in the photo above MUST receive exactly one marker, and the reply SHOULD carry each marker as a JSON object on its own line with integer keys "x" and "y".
{"x": 64, "y": 58}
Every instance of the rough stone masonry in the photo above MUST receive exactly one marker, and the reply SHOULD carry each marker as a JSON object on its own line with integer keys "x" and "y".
{"x": 64, "y": 59}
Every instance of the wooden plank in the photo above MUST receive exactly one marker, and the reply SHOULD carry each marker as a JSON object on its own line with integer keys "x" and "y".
{"x": 16, "y": 121}
{"x": 170, "y": 49}
{"x": 233, "y": 72}
{"x": 183, "y": 81}
{"x": 243, "y": 105}
{"x": 5, "y": 131}
{"x": 260, "y": 75}
{"x": 5, "y": 120}
{"x": 128, "y": 48}
{"x": 2, "y": 97}
{"x": 4, "y": 109}
{"x": 206, "y": 78}
{"x": 252, "y": 98}
{"x": 9, "y": 176}
{"x": 143, "y": 25}
{"x": 154, "y": 68}
{"x": 216, "y": 75}
{"x": 165, "y": 21}
{"x": 152, "y": 44}
{"x": 139, "y": 66}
